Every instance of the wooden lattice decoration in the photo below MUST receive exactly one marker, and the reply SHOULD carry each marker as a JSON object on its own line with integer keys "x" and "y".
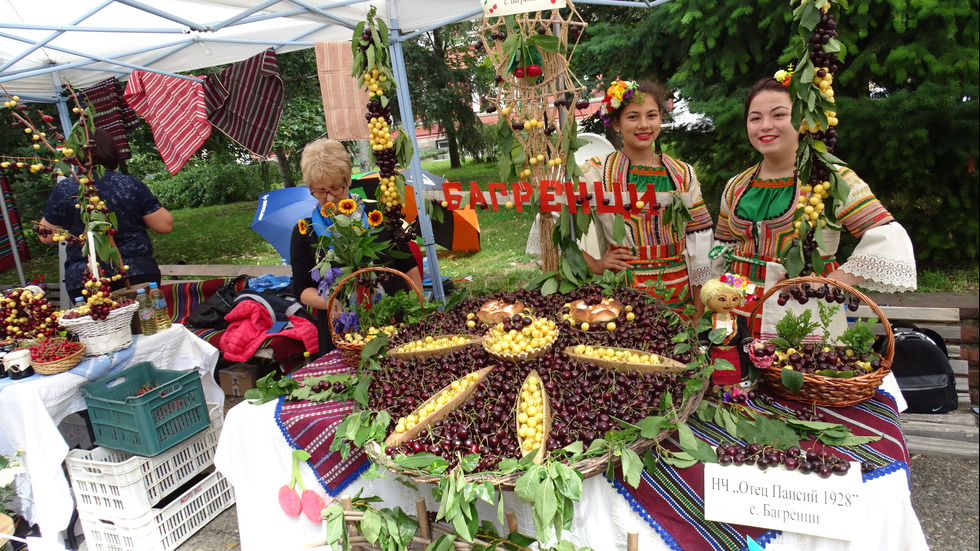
{"x": 537, "y": 45}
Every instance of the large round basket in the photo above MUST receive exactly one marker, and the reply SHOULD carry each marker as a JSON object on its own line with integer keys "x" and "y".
{"x": 62, "y": 365}
{"x": 104, "y": 336}
{"x": 351, "y": 352}
{"x": 588, "y": 467}
{"x": 830, "y": 391}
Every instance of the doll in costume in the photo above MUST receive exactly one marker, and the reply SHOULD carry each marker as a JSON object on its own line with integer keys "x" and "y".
{"x": 721, "y": 297}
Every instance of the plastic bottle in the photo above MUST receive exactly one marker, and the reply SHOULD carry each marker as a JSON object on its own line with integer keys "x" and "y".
{"x": 148, "y": 323}
{"x": 159, "y": 307}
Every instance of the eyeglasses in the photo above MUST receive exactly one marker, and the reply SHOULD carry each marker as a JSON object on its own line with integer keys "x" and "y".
{"x": 334, "y": 191}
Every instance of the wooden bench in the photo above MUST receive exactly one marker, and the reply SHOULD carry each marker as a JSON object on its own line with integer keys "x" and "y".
{"x": 170, "y": 272}
{"x": 945, "y": 322}
{"x": 956, "y": 433}
{"x": 187, "y": 273}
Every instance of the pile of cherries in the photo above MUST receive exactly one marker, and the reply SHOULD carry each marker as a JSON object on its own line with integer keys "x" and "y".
{"x": 810, "y": 359}
{"x": 585, "y": 398}
{"x": 25, "y": 314}
{"x": 793, "y": 458}
{"x": 805, "y": 292}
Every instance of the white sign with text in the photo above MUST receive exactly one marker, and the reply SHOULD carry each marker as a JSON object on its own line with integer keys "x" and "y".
{"x": 777, "y": 499}
{"x": 496, "y": 8}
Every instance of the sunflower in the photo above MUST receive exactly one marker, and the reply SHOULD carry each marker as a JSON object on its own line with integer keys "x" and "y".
{"x": 375, "y": 218}
{"x": 302, "y": 227}
{"x": 347, "y": 206}
{"x": 328, "y": 209}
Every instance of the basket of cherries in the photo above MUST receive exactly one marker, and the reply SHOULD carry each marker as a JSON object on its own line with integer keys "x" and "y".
{"x": 800, "y": 367}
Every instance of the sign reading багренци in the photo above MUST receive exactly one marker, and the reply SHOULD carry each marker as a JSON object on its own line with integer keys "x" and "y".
{"x": 496, "y": 8}
{"x": 834, "y": 507}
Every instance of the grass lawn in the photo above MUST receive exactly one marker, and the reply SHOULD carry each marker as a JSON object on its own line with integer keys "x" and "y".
{"x": 220, "y": 235}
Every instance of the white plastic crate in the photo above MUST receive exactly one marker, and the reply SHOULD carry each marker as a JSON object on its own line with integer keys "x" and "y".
{"x": 161, "y": 529}
{"x": 121, "y": 485}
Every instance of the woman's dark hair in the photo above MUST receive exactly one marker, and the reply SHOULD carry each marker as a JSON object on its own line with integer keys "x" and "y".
{"x": 767, "y": 84}
{"x": 105, "y": 152}
{"x": 655, "y": 89}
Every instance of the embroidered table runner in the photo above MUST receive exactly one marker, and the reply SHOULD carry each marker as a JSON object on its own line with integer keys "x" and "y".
{"x": 672, "y": 500}
{"x": 311, "y": 426}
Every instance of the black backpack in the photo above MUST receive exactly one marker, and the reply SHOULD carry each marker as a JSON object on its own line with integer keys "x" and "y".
{"x": 921, "y": 365}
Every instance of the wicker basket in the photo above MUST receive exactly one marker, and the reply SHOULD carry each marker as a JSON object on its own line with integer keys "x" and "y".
{"x": 62, "y": 365}
{"x": 830, "y": 391}
{"x": 104, "y": 336}
{"x": 588, "y": 467}
{"x": 351, "y": 352}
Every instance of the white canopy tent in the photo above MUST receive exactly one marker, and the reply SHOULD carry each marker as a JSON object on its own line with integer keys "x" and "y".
{"x": 46, "y": 42}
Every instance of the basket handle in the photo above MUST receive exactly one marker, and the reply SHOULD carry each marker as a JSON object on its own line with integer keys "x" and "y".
{"x": 889, "y": 353}
{"x": 352, "y": 275}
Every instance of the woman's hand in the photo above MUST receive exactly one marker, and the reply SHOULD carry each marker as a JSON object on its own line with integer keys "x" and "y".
{"x": 845, "y": 278}
{"x": 615, "y": 259}
{"x": 47, "y": 238}
{"x": 310, "y": 297}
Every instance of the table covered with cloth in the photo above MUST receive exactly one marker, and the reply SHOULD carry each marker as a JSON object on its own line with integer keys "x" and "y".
{"x": 255, "y": 448}
{"x": 32, "y": 408}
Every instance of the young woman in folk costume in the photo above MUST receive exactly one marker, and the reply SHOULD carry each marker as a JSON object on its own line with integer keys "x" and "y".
{"x": 673, "y": 249}
{"x": 756, "y": 218}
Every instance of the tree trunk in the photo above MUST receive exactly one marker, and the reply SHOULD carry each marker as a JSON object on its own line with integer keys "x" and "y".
{"x": 453, "y": 146}
{"x": 364, "y": 155}
{"x": 549, "y": 254}
{"x": 283, "y": 162}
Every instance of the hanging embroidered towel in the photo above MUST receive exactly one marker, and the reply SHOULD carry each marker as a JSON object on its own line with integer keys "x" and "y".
{"x": 111, "y": 112}
{"x": 245, "y": 101}
{"x": 175, "y": 109}
{"x": 343, "y": 99}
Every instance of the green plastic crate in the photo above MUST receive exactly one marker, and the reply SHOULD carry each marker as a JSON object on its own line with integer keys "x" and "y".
{"x": 148, "y": 424}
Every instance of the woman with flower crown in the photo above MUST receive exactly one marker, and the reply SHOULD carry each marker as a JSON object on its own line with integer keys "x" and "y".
{"x": 757, "y": 211}
{"x": 668, "y": 240}
{"x": 326, "y": 171}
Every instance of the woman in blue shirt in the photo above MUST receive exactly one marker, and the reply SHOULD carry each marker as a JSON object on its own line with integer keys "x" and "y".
{"x": 136, "y": 210}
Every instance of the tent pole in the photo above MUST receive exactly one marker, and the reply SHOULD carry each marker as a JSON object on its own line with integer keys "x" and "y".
{"x": 61, "y": 104}
{"x": 11, "y": 237}
{"x": 408, "y": 126}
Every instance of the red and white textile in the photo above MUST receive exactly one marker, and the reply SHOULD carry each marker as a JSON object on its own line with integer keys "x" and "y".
{"x": 175, "y": 109}
{"x": 245, "y": 101}
{"x": 112, "y": 114}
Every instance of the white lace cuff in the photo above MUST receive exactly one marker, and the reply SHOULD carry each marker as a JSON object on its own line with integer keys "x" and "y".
{"x": 881, "y": 274}
{"x": 885, "y": 259}
{"x": 696, "y": 250}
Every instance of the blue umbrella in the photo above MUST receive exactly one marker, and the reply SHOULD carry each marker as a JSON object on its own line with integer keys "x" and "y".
{"x": 278, "y": 212}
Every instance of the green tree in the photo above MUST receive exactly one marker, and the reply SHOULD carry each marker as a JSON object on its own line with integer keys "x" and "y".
{"x": 907, "y": 95}
{"x": 302, "y": 117}
{"x": 445, "y": 72}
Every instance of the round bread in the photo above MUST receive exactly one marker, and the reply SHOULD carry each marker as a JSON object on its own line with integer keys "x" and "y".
{"x": 606, "y": 311}
{"x": 494, "y": 311}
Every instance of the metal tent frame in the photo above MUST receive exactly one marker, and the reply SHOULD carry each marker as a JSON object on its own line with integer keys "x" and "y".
{"x": 46, "y": 42}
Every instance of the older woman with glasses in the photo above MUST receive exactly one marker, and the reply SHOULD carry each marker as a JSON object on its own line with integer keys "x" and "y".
{"x": 326, "y": 172}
